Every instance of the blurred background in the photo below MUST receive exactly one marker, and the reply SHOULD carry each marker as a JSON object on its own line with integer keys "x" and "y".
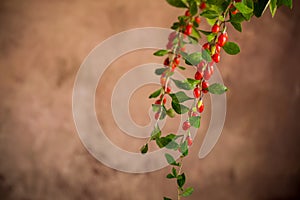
{"x": 43, "y": 43}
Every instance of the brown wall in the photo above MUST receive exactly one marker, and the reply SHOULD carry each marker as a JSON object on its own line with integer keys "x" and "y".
{"x": 42, "y": 44}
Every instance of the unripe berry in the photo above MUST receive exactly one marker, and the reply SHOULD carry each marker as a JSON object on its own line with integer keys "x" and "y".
{"x": 215, "y": 28}
{"x": 186, "y": 125}
{"x": 198, "y": 75}
{"x": 197, "y": 92}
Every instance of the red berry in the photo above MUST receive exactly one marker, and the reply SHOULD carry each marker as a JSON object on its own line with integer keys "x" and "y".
{"x": 156, "y": 116}
{"x": 222, "y": 39}
{"x": 197, "y": 20}
{"x": 186, "y": 125}
{"x": 189, "y": 140}
{"x": 174, "y": 66}
{"x": 176, "y": 60}
{"x": 197, "y": 92}
{"x": 188, "y": 29}
{"x": 198, "y": 75}
{"x": 202, "y": 5}
{"x": 205, "y": 86}
{"x": 201, "y": 65}
{"x": 206, "y": 46}
{"x": 164, "y": 100}
{"x": 207, "y": 74}
{"x": 216, "y": 57}
{"x": 237, "y": 1}
{"x": 235, "y": 12}
{"x": 211, "y": 68}
{"x": 168, "y": 90}
{"x": 182, "y": 49}
{"x": 158, "y": 102}
{"x": 218, "y": 48}
{"x": 215, "y": 28}
{"x": 187, "y": 13}
{"x": 166, "y": 62}
{"x": 201, "y": 108}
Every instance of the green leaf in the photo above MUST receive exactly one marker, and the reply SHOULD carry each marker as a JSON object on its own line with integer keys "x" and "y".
{"x": 163, "y": 113}
{"x": 238, "y": 18}
{"x": 244, "y": 9}
{"x": 237, "y": 26}
{"x": 231, "y": 48}
{"x": 217, "y": 88}
{"x": 181, "y": 180}
{"x": 166, "y": 198}
{"x": 179, "y": 97}
{"x": 195, "y": 33}
{"x": 179, "y": 108}
{"x": 182, "y": 84}
{"x": 260, "y": 7}
{"x": 184, "y": 148}
{"x": 187, "y": 192}
{"x": 206, "y": 56}
{"x": 144, "y": 149}
{"x": 205, "y": 32}
{"x": 163, "y": 141}
{"x": 211, "y": 22}
{"x": 155, "y": 94}
{"x": 160, "y": 71}
{"x": 273, "y": 7}
{"x": 210, "y": 37}
{"x": 194, "y": 58}
{"x": 171, "y": 160}
{"x": 161, "y": 52}
{"x": 181, "y": 67}
{"x": 177, "y": 3}
{"x": 156, "y": 133}
{"x": 215, "y": 2}
{"x": 193, "y": 82}
{"x": 170, "y": 176}
{"x": 193, "y": 8}
{"x": 172, "y": 145}
{"x": 288, "y": 3}
{"x": 195, "y": 121}
{"x": 209, "y": 14}
{"x": 174, "y": 172}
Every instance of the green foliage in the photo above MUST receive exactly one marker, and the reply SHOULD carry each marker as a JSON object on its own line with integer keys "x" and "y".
{"x": 217, "y": 88}
{"x": 161, "y": 52}
{"x": 177, "y": 3}
{"x": 171, "y": 160}
{"x": 155, "y": 94}
{"x": 180, "y": 97}
{"x": 195, "y": 121}
{"x": 231, "y": 48}
{"x": 187, "y": 192}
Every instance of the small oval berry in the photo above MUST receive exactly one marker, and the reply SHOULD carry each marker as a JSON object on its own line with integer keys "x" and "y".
{"x": 176, "y": 60}
{"x": 215, "y": 28}
{"x": 158, "y": 102}
{"x": 168, "y": 90}
{"x": 201, "y": 108}
{"x": 188, "y": 29}
{"x": 198, "y": 75}
{"x": 186, "y": 125}
{"x": 222, "y": 39}
{"x": 197, "y": 20}
{"x": 202, "y": 5}
{"x": 197, "y": 92}
{"x": 189, "y": 140}
{"x": 235, "y": 12}
{"x": 169, "y": 45}
{"x": 205, "y": 86}
{"x": 172, "y": 36}
{"x": 216, "y": 57}
{"x": 206, "y": 46}
{"x": 201, "y": 65}
{"x": 218, "y": 48}
{"x": 167, "y": 62}
{"x": 187, "y": 13}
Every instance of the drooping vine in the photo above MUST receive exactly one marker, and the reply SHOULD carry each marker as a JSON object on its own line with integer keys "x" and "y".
{"x": 187, "y": 30}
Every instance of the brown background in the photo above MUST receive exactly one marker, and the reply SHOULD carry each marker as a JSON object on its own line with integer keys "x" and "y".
{"x": 42, "y": 44}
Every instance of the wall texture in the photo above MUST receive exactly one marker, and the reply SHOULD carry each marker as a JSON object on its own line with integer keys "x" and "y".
{"x": 42, "y": 44}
